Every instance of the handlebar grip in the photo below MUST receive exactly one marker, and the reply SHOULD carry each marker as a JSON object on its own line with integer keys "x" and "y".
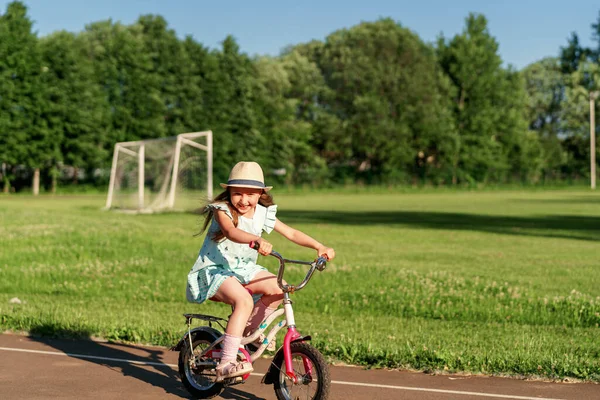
{"x": 254, "y": 244}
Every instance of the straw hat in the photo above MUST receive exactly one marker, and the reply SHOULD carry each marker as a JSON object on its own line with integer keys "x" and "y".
{"x": 247, "y": 174}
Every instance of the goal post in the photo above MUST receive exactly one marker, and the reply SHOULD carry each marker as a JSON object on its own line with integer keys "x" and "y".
{"x": 157, "y": 174}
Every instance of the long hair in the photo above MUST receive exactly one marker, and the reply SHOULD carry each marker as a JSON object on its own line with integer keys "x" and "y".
{"x": 265, "y": 200}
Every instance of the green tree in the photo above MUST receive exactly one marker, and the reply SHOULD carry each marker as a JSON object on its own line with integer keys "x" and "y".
{"x": 287, "y": 136}
{"x": 25, "y": 139}
{"x": 488, "y": 106}
{"x": 582, "y": 82}
{"x": 10, "y": 142}
{"x": 77, "y": 109}
{"x": 578, "y": 63}
{"x": 545, "y": 85}
{"x": 127, "y": 75}
{"x": 521, "y": 146}
{"x": 170, "y": 62}
{"x": 194, "y": 97}
{"x": 596, "y": 37}
{"x": 307, "y": 89}
{"x": 389, "y": 96}
{"x": 573, "y": 54}
{"x": 328, "y": 141}
{"x": 228, "y": 98}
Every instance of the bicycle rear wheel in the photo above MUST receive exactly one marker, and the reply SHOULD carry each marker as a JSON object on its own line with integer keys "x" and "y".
{"x": 199, "y": 380}
{"x": 312, "y": 372}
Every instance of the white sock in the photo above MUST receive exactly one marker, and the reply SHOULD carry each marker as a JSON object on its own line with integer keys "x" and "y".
{"x": 231, "y": 344}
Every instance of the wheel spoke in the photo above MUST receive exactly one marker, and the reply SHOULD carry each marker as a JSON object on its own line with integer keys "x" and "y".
{"x": 197, "y": 373}
{"x": 311, "y": 371}
{"x": 201, "y": 375}
{"x": 300, "y": 390}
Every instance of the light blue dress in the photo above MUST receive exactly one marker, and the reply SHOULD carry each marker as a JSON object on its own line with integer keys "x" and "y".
{"x": 218, "y": 261}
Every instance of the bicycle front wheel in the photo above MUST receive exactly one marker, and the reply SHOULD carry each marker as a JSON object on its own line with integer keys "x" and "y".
{"x": 312, "y": 372}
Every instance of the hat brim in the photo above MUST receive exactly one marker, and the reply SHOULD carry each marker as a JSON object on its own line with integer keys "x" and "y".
{"x": 266, "y": 188}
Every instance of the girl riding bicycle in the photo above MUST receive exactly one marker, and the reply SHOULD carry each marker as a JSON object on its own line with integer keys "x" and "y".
{"x": 226, "y": 268}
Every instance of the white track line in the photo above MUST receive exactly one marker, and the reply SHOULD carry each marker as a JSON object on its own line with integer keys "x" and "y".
{"x": 418, "y": 389}
{"x": 159, "y": 364}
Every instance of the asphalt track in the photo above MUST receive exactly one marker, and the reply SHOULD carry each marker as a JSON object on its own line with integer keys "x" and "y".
{"x": 41, "y": 368}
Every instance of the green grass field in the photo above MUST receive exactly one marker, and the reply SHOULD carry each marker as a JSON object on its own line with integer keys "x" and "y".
{"x": 495, "y": 282}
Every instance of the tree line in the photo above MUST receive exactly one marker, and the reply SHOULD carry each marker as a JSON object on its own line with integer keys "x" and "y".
{"x": 372, "y": 104}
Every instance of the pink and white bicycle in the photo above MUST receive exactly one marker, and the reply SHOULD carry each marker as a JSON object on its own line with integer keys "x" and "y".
{"x": 298, "y": 370}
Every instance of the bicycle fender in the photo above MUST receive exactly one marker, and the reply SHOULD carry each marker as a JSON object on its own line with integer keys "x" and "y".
{"x": 183, "y": 340}
{"x": 271, "y": 376}
{"x": 302, "y": 339}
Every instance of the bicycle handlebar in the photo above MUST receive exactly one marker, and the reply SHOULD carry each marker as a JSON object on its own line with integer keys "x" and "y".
{"x": 320, "y": 263}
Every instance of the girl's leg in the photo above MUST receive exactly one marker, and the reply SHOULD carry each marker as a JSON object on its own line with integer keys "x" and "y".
{"x": 265, "y": 283}
{"x": 259, "y": 313}
{"x": 233, "y": 293}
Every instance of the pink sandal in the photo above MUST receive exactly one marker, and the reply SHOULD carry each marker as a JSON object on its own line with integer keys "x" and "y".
{"x": 232, "y": 369}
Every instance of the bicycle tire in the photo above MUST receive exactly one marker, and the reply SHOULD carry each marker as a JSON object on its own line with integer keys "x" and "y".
{"x": 287, "y": 390}
{"x": 198, "y": 384}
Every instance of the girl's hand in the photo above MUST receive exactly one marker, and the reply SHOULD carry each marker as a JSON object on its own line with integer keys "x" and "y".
{"x": 265, "y": 247}
{"x": 327, "y": 252}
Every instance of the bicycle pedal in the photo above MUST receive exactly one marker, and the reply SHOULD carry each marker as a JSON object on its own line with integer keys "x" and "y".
{"x": 234, "y": 381}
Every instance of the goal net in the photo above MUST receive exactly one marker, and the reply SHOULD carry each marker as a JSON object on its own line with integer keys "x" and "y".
{"x": 173, "y": 173}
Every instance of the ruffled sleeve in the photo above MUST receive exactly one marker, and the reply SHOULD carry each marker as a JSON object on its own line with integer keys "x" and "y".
{"x": 270, "y": 218}
{"x": 220, "y": 207}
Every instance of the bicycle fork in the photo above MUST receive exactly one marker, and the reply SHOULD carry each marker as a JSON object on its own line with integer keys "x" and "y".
{"x": 291, "y": 336}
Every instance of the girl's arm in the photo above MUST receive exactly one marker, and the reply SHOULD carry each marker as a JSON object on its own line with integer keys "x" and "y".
{"x": 302, "y": 239}
{"x": 239, "y": 236}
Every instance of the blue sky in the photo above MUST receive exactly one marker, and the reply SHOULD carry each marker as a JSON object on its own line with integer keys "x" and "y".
{"x": 526, "y": 30}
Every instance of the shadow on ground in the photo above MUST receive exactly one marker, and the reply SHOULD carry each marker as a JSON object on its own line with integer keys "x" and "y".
{"x": 564, "y": 200}
{"x": 163, "y": 376}
{"x": 552, "y": 226}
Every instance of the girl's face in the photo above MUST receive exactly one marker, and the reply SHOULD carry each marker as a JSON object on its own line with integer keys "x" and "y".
{"x": 244, "y": 199}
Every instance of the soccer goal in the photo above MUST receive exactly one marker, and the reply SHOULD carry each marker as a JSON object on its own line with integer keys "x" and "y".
{"x": 172, "y": 173}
